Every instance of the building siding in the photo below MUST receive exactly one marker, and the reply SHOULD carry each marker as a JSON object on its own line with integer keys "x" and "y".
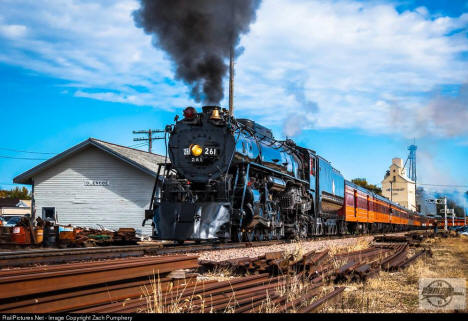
{"x": 120, "y": 204}
{"x": 401, "y": 189}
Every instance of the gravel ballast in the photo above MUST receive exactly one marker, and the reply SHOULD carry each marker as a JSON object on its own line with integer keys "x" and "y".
{"x": 304, "y": 246}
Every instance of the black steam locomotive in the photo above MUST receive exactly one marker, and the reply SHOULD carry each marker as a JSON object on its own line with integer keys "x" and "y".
{"x": 230, "y": 179}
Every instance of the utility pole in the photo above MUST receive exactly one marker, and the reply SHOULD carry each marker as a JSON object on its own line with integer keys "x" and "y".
{"x": 231, "y": 82}
{"x": 150, "y": 138}
{"x": 451, "y": 211}
{"x": 441, "y": 201}
{"x": 231, "y": 63}
{"x": 445, "y": 212}
{"x": 464, "y": 208}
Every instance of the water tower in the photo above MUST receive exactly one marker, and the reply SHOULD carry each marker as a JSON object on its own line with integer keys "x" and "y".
{"x": 410, "y": 163}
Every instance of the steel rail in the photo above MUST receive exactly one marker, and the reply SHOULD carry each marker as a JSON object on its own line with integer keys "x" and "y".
{"x": 210, "y": 289}
{"x": 213, "y": 305}
{"x": 240, "y": 293}
{"x": 96, "y": 296}
{"x": 314, "y": 291}
{"x": 317, "y": 304}
{"x": 52, "y": 256}
{"x": 411, "y": 259}
{"x": 252, "y": 303}
{"x": 52, "y": 281}
{"x": 71, "y": 266}
{"x": 276, "y": 302}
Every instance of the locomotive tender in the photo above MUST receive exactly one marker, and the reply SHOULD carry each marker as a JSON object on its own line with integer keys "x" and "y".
{"x": 230, "y": 179}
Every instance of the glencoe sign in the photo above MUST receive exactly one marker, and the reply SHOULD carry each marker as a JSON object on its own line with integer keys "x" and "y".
{"x": 442, "y": 294}
{"x": 96, "y": 183}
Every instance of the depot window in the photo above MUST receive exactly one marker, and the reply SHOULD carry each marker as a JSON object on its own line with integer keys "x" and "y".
{"x": 48, "y": 213}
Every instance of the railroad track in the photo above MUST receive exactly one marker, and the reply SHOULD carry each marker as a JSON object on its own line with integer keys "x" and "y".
{"x": 57, "y": 256}
{"x": 157, "y": 284}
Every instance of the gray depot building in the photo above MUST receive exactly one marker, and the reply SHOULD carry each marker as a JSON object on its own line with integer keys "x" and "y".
{"x": 94, "y": 183}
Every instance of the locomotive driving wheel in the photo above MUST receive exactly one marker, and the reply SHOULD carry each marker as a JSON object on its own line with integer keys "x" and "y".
{"x": 240, "y": 236}
{"x": 250, "y": 235}
{"x": 303, "y": 229}
{"x": 259, "y": 234}
{"x": 276, "y": 227}
{"x": 277, "y": 234}
{"x": 237, "y": 235}
{"x": 271, "y": 235}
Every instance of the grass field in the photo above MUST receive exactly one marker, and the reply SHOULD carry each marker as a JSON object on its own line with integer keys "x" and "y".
{"x": 393, "y": 292}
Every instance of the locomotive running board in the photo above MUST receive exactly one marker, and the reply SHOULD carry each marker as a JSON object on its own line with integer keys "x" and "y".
{"x": 279, "y": 173}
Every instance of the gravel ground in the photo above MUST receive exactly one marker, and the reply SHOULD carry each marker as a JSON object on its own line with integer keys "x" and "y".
{"x": 304, "y": 246}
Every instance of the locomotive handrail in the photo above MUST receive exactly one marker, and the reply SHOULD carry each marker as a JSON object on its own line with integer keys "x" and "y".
{"x": 246, "y": 179}
{"x": 156, "y": 183}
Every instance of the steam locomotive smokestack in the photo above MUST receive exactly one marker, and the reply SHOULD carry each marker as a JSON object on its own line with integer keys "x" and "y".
{"x": 199, "y": 36}
{"x": 231, "y": 83}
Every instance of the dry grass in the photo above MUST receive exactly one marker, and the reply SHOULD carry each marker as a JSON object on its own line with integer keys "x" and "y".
{"x": 268, "y": 306}
{"x": 296, "y": 252}
{"x": 219, "y": 273}
{"x": 168, "y": 301}
{"x": 293, "y": 289}
{"x": 184, "y": 300}
{"x": 361, "y": 244}
{"x": 398, "y": 291}
{"x": 299, "y": 249}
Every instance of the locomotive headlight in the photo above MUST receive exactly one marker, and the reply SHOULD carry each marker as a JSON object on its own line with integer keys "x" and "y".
{"x": 196, "y": 150}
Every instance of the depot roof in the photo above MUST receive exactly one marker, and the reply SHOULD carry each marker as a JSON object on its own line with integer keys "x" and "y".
{"x": 144, "y": 161}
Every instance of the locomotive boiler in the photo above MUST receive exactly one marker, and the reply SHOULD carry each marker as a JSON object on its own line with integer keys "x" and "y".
{"x": 230, "y": 179}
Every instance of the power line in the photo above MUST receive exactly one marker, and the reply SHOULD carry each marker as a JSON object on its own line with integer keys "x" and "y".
{"x": 441, "y": 185}
{"x": 22, "y": 158}
{"x": 26, "y": 151}
{"x": 150, "y": 138}
{"x": 138, "y": 145}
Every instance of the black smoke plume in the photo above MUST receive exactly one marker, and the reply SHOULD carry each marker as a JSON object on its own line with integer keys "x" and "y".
{"x": 197, "y": 35}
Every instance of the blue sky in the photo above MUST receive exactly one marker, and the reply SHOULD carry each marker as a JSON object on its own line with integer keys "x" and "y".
{"x": 380, "y": 72}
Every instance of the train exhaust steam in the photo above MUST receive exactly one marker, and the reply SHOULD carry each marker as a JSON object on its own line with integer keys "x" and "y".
{"x": 198, "y": 36}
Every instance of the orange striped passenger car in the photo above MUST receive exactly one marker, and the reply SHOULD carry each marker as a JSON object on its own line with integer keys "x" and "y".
{"x": 365, "y": 212}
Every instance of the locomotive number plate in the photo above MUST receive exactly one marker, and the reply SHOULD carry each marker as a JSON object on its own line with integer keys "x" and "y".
{"x": 197, "y": 159}
{"x": 210, "y": 151}
{"x": 207, "y": 151}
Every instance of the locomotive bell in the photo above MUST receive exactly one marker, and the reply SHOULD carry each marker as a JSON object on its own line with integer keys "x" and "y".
{"x": 215, "y": 114}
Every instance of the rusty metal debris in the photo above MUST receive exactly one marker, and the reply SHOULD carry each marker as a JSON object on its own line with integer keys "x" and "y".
{"x": 24, "y": 282}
